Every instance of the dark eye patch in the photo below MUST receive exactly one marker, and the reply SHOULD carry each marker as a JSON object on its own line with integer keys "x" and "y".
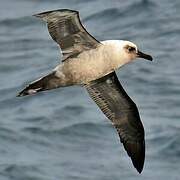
{"x": 131, "y": 49}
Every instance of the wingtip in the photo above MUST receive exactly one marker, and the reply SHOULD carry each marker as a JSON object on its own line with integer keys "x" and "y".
{"x": 27, "y": 91}
{"x": 35, "y": 15}
{"x": 139, "y": 170}
{"x": 136, "y": 152}
{"x": 140, "y": 162}
{"x": 21, "y": 94}
{"x": 46, "y": 13}
{"x": 139, "y": 167}
{"x": 18, "y": 95}
{"x": 39, "y": 15}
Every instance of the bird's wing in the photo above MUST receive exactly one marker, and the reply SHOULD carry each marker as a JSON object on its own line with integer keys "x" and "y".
{"x": 66, "y": 29}
{"x": 114, "y": 102}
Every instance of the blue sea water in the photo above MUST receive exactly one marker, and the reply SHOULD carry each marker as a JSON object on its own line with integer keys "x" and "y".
{"x": 61, "y": 134}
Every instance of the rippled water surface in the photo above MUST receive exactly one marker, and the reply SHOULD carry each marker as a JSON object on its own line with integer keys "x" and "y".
{"x": 61, "y": 134}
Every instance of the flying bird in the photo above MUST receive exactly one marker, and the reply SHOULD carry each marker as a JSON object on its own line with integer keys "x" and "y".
{"x": 92, "y": 64}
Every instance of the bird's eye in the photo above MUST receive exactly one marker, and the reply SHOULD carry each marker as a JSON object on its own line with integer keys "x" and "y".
{"x": 130, "y": 49}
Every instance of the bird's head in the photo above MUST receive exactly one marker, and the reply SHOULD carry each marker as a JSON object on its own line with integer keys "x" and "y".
{"x": 129, "y": 51}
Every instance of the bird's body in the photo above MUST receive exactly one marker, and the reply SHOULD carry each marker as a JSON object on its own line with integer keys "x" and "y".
{"x": 92, "y": 64}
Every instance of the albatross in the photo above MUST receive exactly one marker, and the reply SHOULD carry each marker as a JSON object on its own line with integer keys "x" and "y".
{"x": 91, "y": 63}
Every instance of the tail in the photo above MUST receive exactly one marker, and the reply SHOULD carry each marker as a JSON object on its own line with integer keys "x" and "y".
{"x": 51, "y": 81}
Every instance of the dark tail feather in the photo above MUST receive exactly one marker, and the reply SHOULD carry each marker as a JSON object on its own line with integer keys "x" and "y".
{"x": 45, "y": 83}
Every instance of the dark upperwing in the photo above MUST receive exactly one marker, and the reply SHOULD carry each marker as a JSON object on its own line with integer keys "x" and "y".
{"x": 66, "y": 29}
{"x": 114, "y": 102}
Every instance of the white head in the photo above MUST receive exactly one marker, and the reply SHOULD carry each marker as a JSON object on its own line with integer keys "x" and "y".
{"x": 129, "y": 51}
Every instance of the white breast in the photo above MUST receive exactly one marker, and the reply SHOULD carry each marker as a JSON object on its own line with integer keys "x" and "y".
{"x": 95, "y": 63}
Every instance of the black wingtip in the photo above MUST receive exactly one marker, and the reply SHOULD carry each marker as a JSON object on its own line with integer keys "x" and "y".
{"x": 46, "y": 13}
{"x": 28, "y": 91}
{"x": 139, "y": 167}
{"x": 138, "y": 161}
{"x": 136, "y": 152}
{"x": 139, "y": 170}
{"x": 22, "y": 93}
{"x": 18, "y": 95}
{"x": 40, "y": 15}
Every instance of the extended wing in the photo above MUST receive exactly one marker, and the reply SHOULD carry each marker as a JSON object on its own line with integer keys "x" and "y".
{"x": 112, "y": 99}
{"x": 66, "y": 29}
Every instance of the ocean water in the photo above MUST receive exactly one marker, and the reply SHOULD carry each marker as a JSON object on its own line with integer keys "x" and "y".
{"x": 61, "y": 134}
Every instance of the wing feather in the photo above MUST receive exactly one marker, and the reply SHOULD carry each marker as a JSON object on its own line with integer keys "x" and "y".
{"x": 66, "y": 29}
{"x": 114, "y": 102}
